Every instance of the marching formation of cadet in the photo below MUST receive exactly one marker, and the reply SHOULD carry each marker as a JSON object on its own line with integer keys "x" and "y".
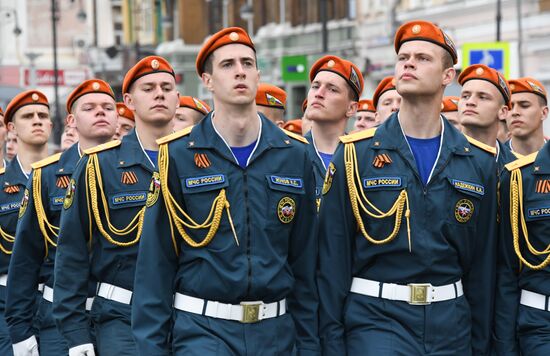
{"x": 167, "y": 227}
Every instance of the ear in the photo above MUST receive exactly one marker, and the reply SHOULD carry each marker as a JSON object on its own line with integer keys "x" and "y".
{"x": 352, "y": 109}
{"x": 71, "y": 120}
{"x": 544, "y": 113}
{"x": 502, "y": 113}
{"x": 377, "y": 117}
{"x": 448, "y": 76}
{"x": 128, "y": 101}
{"x": 207, "y": 81}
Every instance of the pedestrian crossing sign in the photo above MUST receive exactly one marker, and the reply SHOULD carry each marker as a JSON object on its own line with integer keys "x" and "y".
{"x": 495, "y": 55}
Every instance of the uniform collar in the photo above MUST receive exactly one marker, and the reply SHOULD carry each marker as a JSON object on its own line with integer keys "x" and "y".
{"x": 14, "y": 174}
{"x": 131, "y": 153}
{"x": 317, "y": 160}
{"x": 203, "y": 135}
{"x": 542, "y": 162}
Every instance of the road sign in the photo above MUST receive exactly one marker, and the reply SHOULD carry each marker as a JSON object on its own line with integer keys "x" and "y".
{"x": 493, "y": 54}
{"x": 294, "y": 69}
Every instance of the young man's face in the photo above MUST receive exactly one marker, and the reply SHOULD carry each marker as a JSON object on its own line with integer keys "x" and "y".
{"x": 153, "y": 98}
{"x": 388, "y": 103}
{"x": 234, "y": 79}
{"x": 123, "y": 127}
{"x": 365, "y": 120}
{"x": 94, "y": 116}
{"x": 69, "y": 137}
{"x": 419, "y": 69}
{"x": 481, "y": 104}
{"x": 329, "y": 98}
{"x": 32, "y": 125}
{"x": 526, "y": 115}
{"x": 186, "y": 117}
{"x": 11, "y": 145}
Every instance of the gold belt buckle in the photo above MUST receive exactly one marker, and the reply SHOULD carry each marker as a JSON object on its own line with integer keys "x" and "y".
{"x": 419, "y": 293}
{"x": 251, "y": 312}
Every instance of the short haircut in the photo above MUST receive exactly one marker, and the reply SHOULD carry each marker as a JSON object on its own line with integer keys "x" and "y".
{"x": 447, "y": 60}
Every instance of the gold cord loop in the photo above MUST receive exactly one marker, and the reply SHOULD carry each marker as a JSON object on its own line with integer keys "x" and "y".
{"x": 46, "y": 227}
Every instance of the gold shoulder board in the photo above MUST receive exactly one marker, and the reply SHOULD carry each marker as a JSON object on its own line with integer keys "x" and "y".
{"x": 295, "y": 136}
{"x": 523, "y": 161}
{"x": 2, "y": 170}
{"x": 358, "y": 136}
{"x": 484, "y": 147}
{"x": 46, "y": 161}
{"x": 103, "y": 147}
{"x": 180, "y": 133}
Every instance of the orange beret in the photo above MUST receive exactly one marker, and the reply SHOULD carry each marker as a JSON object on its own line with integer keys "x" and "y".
{"x": 122, "y": 110}
{"x": 482, "y": 72}
{"x": 449, "y": 103}
{"x": 148, "y": 65}
{"x": 89, "y": 87}
{"x": 366, "y": 105}
{"x": 28, "y": 97}
{"x": 424, "y": 31}
{"x": 194, "y": 103}
{"x": 385, "y": 85}
{"x": 1, "y": 112}
{"x": 528, "y": 85}
{"x": 346, "y": 69}
{"x": 230, "y": 35}
{"x": 271, "y": 95}
{"x": 294, "y": 126}
{"x": 304, "y": 105}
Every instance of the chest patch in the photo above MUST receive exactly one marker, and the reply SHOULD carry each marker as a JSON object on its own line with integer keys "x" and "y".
{"x": 204, "y": 180}
{"x": 376, "y": 182}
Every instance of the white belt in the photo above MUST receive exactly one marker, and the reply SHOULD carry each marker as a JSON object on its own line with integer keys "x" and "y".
{"x": 47, "y": 294}
{"x": 414, "y": 293}
{"x": 4, "y": 280}
{"x": 534, "y": 300}
{"x": 246, "y": 312}
{"x": 112, "y": 292}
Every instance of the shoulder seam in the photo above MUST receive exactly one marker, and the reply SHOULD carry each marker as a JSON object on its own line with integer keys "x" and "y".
{"x": 522, "y": 162}
{"x": 175, "y": 135}
{"x": 483, "y": 146}
{"x": 103, "y": 147}
{"x": 46, "y": 161}
{"x": 357, "y": 136}
{"x": 295, "y": 136}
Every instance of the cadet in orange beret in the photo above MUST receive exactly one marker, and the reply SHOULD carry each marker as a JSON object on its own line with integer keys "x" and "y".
{"x": 248, "y": 186}
{"x": 336, "y": 85}
{"x": 28, "y": 116}
{"x": 294, "y": 126}
{"x": 103, "y": 215}
{"x": 525, "y": 120}
{"x": 3, "y": 136}
{"x": 484, "y": 102}
{"x": 449, "y": 108}
{"x": 126, "y": 121}
{"x": 190, "y": 112}
{"x": 92, "y": 113}
{"x": 365, "y": 118}
{"x": 407, "y": 226}
{"x": 271, "y": 101}
{"x": 386, "y": 99}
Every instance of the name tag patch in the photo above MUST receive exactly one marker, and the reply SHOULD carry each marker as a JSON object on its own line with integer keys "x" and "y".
{"x": 58, "y": 200}
{"x": 126, "y": 198}
{"x": 538, "y": 213}
{"x": 10, "y": 207}
{"x": 205, "y": 180}
{"x": 288, "y": 182}
{"x": 377, "y": 182}
{"x": 468, "y": 187}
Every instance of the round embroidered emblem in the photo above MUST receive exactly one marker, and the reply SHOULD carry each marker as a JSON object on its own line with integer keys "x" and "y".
{"x": 69, "y": 196}
{"x": 24, "y": 204}
{"x": 286, "y": 209}
{"x": 464, "y": 209}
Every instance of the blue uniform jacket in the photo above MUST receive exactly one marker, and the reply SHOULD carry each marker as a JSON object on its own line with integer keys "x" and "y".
{"x": 12, "y": 185}
{"x": 274, "y": 260}
{"x": 513, "y": 276}
{"x": 126, "y": 174}
{"x": 33, "y": 256}
{"x": 443, "y": 250}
